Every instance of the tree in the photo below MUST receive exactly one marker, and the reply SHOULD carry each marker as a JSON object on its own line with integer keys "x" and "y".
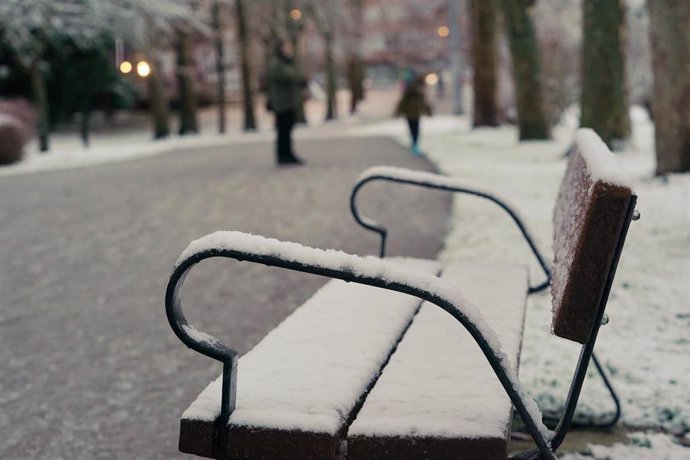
{"x": 158, "y": 99}
{"x": 81, "y": 76}
{"x": 216, "y": 24}
{"x": 153, "y": 26}
{"x": 532, "y": 119}
{"x": 245, "y": 66}
{"x": 455, "y": 50}
{"x": 355, "y": 63}
{"x": 185, "y": 79}
{"x": 324, "y": 14}
{"x": 484, "y": 58}
{"x": 604, "y": 99}
{"x": 670, "y": 38}
{"x": 27, "y": 27}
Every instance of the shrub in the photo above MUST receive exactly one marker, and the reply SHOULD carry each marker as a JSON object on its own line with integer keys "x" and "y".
{"x": 17, "y": 121}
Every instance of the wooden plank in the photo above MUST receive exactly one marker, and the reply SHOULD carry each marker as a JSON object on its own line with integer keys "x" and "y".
{"x": 298, "y": 388}
{"x": 438, "y": 397}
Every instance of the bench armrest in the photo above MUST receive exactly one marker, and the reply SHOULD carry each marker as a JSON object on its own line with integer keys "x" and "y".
{"x": 446, "y": 183}
{"x": 370, "y": 271}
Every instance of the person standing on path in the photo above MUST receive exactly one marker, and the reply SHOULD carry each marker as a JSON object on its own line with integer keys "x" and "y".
{"x": 412, "y": 106}
{"x": 285, "y": 84}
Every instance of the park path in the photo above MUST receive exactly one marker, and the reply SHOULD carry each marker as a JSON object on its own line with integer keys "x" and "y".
{"x": 89, "y": 368}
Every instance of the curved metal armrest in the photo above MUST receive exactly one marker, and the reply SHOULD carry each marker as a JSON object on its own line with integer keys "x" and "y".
{"x": 334, "y": 264}
{"x": 439, "y": 182}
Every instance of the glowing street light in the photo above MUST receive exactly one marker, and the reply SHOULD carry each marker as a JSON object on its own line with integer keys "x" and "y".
{"x": 125, "y": 67}
{"x": 296, "y": 14}
{"x": 143, "y": 69}
{"x": 431, "y": 79}
{"x": 443, "y": 31}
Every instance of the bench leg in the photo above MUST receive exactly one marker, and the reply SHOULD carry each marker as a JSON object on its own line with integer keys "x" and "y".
{"x": 614, "y": 397}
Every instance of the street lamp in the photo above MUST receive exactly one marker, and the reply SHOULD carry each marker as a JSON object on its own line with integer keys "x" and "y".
{"x": 295, "y": 14}
{"x": 443, "y": 31}
{"x": 143, "y": 69}
{"x": 431, "y": 79}
{"x": 125, "y": 67}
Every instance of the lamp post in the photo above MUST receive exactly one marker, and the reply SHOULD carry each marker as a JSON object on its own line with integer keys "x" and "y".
{"x": 143, "y": 69}
{"x": 295, "y": 26}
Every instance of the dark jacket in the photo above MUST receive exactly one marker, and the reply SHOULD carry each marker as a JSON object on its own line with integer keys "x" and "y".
{"x": 413, "y": 103}
{"x": 285, "y": 84}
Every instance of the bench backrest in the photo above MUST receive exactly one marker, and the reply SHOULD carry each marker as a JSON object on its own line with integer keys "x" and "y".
{"x": 589, "y": 221}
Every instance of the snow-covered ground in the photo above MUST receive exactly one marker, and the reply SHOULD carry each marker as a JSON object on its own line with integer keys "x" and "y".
{"x": 67, "y": 152}
{"x": 640, "y": 446}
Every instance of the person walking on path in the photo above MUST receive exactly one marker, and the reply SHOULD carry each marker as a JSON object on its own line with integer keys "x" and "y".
{"x": 285, "y": 84}
{"x": 412, "y": 106}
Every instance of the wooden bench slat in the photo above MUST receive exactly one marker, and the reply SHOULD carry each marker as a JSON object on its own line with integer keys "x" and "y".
{"x": 590, "y": 212}
{"x": 438, "y": 397}
{"x": 297, "y": 388}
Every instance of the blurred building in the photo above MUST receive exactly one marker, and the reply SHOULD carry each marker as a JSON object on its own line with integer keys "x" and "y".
{"x": 404, "y": 34}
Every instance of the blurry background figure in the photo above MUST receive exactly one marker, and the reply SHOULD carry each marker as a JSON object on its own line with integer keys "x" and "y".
{"x": 285, "y": 83}
{"x": 355, "y": 79}
{"x": 440, "y": 87}
{"x": 412, "y": 106}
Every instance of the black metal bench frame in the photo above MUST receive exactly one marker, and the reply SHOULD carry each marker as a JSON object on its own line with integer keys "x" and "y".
{"x": 217, "y": 350}
{"x": 377, "y": 228}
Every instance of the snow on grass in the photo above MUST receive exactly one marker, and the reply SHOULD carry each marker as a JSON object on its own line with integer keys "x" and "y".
{"x": 645, "y": 347}
{"x": 642, "y": 446}
{"x": 67, "y": 152}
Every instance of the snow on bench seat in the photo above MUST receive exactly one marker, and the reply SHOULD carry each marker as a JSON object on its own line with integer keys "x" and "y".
{"x": 297, "y": 388}
{"x": 438, "y": 397}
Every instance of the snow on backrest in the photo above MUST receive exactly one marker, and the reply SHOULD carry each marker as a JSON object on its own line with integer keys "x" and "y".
{"x": 590, "y": 211}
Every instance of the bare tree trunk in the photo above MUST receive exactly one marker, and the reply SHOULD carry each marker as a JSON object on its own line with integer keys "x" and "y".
{"x": 325, "y": 17}
{"x": 332, "y": 104}
{"x": 185, "y": 79}
{"x": 40, "y": 93}
{"x": 355, "y": 70}
{"x": 604, "y": 99}
{"x": 485, "y": 60}
{"x": 532, "y": 120}
{"x": 247, "y": 94}
{"x": 160, "y": 111}
{"x": 455, "y": 48}
{"x": 670, "y": 37}
{"x": 85, "y": 126}
{"x": 220, "y": 65}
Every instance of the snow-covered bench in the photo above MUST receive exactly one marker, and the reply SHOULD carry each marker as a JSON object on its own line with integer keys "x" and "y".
{"x": 361, "y": 372}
